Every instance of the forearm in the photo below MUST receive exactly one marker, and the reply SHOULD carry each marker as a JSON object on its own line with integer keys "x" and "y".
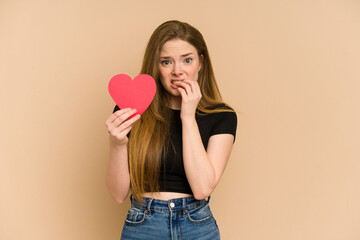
{"x": 199, "y": 170}
{"x": 118, "y": 178}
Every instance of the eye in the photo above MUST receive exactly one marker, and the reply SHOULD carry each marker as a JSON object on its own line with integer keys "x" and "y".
{"x": 165, "y": 62}
{"x": 188, "y": 60}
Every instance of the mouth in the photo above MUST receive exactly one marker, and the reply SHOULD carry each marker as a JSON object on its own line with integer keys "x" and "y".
{"x": 174, "y": 82}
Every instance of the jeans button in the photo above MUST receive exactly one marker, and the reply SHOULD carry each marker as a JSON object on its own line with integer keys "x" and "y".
{"x": 172, "y": 205}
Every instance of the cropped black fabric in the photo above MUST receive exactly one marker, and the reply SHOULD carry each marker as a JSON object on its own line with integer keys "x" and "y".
{"x": 172, "y": 176}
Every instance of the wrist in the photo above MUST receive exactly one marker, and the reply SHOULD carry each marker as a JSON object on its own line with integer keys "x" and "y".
{"x": 188, "y": 120}
{"x": 118, "y": 145}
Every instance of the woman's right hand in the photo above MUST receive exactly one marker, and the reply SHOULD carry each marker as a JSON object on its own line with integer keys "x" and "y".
{"x": 119, "y": 125}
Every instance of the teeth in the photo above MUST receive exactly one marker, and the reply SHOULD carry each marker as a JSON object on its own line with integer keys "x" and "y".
{"x": 176, "y": 82}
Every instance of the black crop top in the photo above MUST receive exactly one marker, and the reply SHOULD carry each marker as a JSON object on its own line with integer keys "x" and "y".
{"x": 172, "y": 176}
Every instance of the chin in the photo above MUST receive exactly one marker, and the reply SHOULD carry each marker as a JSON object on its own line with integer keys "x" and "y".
{"x": 175, "y": 93}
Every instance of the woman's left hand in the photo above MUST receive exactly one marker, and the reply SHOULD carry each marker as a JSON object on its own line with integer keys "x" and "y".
{"x": 190, "y": 98}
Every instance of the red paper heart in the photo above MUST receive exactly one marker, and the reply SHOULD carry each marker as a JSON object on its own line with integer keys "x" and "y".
{"x": 136, "y": 94}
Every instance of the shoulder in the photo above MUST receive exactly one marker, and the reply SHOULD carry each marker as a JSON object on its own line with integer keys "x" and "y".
{"x": 221, "y": 112}
{"x": 220, "y": 106}
{"x": 222, "y": 120}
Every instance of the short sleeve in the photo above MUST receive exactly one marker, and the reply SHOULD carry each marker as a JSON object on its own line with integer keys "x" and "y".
{"x": 226, "y": 122}
{"x": 116, "y": 108}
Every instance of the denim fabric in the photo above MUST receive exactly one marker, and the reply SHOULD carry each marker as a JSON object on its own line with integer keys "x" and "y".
{"x": 179, "y": 218}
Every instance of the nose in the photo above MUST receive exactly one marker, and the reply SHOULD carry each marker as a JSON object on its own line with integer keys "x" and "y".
{"x": 177, "y": 69}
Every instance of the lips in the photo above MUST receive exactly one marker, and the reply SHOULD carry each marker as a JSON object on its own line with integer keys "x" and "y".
{"x": 174, "y": 82}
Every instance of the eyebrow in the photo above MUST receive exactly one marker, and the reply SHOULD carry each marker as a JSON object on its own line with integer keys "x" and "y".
{"x": 184, "y": 55}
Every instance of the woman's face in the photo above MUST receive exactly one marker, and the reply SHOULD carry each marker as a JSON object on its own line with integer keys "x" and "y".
{"x": 179, "y": 61}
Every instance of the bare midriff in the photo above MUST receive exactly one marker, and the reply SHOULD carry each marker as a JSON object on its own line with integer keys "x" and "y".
{"x": 165, "y": 196}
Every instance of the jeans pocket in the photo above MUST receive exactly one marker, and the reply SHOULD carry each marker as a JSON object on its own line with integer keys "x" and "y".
{"x": 200, "y": 215}
{"x": 135, "y": 217}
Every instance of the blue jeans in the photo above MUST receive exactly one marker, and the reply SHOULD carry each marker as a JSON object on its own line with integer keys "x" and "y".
{"x": 179, "y": 218}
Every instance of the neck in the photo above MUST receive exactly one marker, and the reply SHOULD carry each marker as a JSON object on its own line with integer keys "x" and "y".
{"x": 175, "y": 103}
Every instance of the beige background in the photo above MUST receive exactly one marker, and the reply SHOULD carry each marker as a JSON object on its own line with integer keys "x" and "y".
{"x": 290, "y": 68}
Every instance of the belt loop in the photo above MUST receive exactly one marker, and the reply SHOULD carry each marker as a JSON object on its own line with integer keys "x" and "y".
{"x": 208, "y": 200}
{"x": 149, "y": 204}
{"x": 184, "y": 206}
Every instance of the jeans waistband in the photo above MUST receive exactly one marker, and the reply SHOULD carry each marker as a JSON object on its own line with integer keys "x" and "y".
{"x": 153, "y": 204}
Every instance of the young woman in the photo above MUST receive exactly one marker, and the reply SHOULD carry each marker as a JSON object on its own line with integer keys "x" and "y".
{"x": 173, "y": 156}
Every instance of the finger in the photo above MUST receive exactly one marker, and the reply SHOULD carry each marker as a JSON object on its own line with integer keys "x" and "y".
{"x": 129, "y": 122}
{"x": 126, "y": 130}
{"x": 185, "y": 86}
{"x": 121, "y": 116}
{"x": 188, "y": 82}
{"x": 182, "y": 92}
{"x": 192, "y": 85}
{"x": 121, "y": 134}
{"x": 124, "y": 127}
{"x": 197, "y": 89}
{"x": 116, "y": 114}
